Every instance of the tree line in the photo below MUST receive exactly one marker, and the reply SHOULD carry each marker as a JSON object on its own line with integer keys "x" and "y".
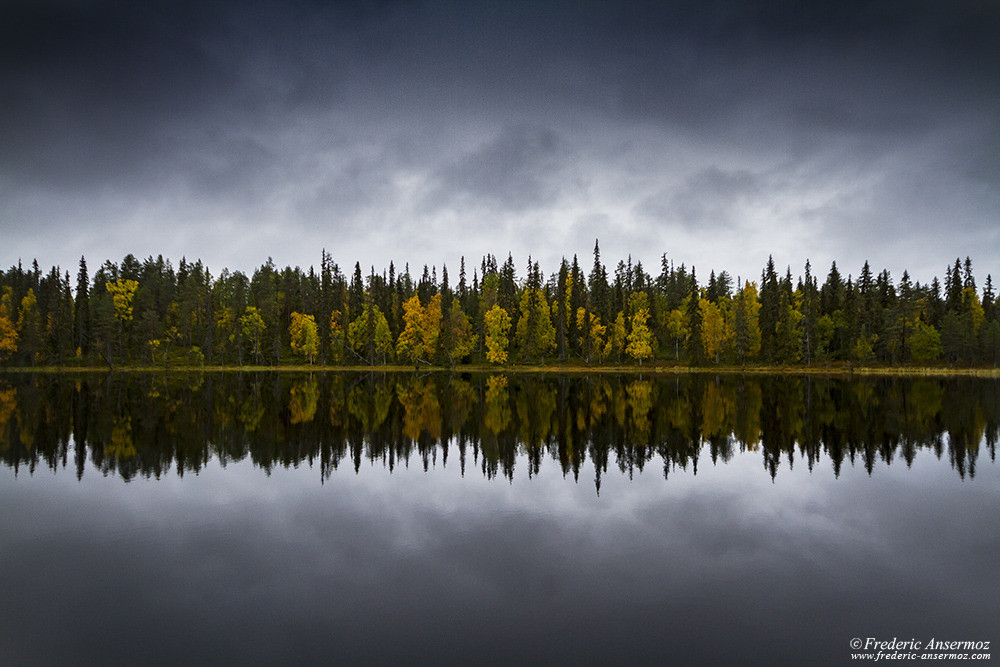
{"x": 149, "y": 313}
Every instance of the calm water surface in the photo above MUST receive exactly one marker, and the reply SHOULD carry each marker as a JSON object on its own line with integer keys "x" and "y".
{"x": 378, "y": 518}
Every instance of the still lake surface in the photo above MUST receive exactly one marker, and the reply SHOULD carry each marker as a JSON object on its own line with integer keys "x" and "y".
{"x": 509, "y": 519}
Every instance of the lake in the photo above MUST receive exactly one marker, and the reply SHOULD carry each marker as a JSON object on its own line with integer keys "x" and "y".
{"x": 260, "y": 518}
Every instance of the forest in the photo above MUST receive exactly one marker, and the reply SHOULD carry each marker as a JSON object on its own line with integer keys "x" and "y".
{"x": 150, "y": 314}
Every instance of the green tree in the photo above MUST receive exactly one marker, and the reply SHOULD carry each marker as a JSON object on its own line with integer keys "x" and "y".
{"x": 535, "y": 334}
{"x": 463, "y": 341}
{"x": 337, "y": 342}
{"x": 122, "y": 297}
{"x": 788, "y": 331}
{"x": 252, "y": 325}
{"x": 925, "y": 344}
{"x": 677, "y": 329}
{"x": 592, "y": 333}
{"x": 692, "y": 317}
{"x": 81, "y": 309}
{"x": 369, "y": 336}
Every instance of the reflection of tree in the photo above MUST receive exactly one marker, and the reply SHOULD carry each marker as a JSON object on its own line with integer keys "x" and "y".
{"x": 461, "y": 399}
{"x": 8, "y": 407}
{"x": 640, "y": 400}
{"x": 422, "y": 409}
{"x": 250, "y": 415}
{"x": 184, "y": 420}
{"x": 536, "y": 403}
{"x": 747, "y": 423}
{"x": 715, "y": 409}
{"x": 497, "y": 415}
{"x": 370, "y": 407}
{"x": 303, "y": 400}
{"x": 121, "y": 446}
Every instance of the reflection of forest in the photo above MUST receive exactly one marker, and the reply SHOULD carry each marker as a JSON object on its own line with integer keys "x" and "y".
{"x": 148, "y": 424}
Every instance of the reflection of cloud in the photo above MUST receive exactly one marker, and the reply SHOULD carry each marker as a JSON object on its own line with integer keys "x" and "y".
{"x": 282, "y": 566}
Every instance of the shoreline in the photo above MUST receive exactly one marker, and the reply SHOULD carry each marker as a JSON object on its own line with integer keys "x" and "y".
{"x": 830, "y": 371}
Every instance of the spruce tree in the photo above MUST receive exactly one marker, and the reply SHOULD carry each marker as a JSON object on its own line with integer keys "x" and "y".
{"x": 81, "y": 309}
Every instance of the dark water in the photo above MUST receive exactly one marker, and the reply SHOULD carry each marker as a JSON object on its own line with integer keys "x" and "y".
{"x": 339, "y": 519}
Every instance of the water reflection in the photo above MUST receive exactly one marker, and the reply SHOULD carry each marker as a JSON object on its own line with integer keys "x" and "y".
{"x": 146, "y": 424}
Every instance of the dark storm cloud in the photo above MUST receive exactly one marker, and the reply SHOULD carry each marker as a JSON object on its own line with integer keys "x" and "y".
{"x": 327, "y": 120}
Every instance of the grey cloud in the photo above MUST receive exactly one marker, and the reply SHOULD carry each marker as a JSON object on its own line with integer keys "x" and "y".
{"x": 516, "y": 170}
{"x": 296, "y": 114}
{"x": 711, "y": 197}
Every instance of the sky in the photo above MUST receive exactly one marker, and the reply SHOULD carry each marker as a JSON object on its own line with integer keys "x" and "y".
{"x": 718, "y": 133}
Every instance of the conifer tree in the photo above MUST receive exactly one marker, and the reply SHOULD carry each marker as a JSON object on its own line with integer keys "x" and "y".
{"x": 81, "y": 310}
{"x": 695, "y": 342}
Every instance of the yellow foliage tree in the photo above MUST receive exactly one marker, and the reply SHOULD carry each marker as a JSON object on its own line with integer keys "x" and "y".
{"x": 677, "y": 329}
{"x": 8, "y": 331}
{"x": 497, "y": 324}
{"x": 336, "y": 337}
{"x": 713, "y": 329}
{"x": 409, "y": 345}
{"x": 616, "y": 337}
{"x": 431, "y": 325}
{"x": 122, "y": 295}
{"x": 304, "y": 335}
{"x": 595, "y": 340}
{"x": 746, "y": 323}
{"x": 421, "y": 329}
{"x": 640, "y": 338}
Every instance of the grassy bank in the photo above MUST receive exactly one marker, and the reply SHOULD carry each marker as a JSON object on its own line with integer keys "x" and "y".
{"x": 555, "y": 368}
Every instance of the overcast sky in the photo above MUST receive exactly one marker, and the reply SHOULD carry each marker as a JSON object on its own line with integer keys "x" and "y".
{"x": 718, "y": 133}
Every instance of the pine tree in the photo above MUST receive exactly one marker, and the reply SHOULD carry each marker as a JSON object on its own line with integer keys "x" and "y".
{"x": 769, "y": 310}
{"x": 81, "y": 311}
{"x": 809, "y": 306}
{"x": 696, "y": 350}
